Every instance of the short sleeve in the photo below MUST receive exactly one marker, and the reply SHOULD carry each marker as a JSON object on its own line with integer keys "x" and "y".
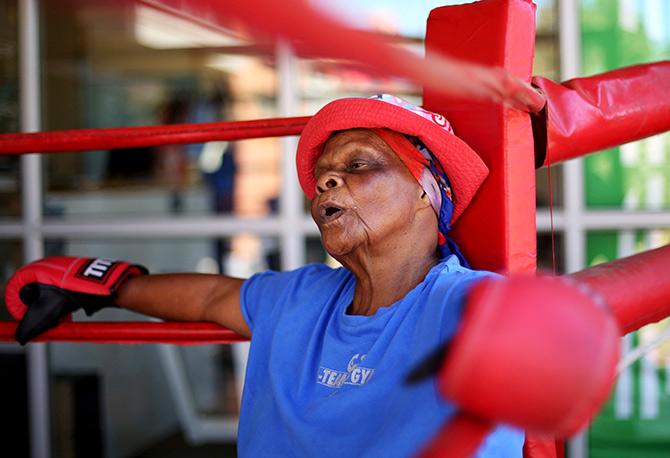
{"x": 502, "y": 442}
{"x": 265, "y": 294}
{"x": 261, "y": 292}
{"x": 451, "y": 291}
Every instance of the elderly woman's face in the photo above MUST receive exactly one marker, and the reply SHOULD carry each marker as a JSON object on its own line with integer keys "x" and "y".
{"x": 365, "y": 194}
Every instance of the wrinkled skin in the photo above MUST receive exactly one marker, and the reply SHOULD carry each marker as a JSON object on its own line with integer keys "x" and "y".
{"x": 359, "y": 174}
{"x": 374, "y": 218}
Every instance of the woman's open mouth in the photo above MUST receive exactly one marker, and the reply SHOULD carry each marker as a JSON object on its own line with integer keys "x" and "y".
{"x": 329, "y": 213}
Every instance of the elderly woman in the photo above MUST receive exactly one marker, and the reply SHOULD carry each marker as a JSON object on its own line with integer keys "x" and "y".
{"x": 330, "y": 348}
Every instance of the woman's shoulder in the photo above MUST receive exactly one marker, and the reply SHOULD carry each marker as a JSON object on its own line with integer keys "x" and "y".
{"x": 451, "y": 265}
{"x": 267, "y": 295}
{"x": 450, "y": 278}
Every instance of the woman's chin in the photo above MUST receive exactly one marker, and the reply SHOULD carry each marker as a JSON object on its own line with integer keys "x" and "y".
{"x": 338, "y": 247}
{"x": 337, "y": 252}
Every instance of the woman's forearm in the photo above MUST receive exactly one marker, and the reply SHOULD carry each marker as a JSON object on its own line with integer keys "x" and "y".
{"x": 185, "y": 297}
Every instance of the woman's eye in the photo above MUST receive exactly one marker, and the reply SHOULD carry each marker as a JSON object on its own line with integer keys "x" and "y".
{"x": 356, "y": 165}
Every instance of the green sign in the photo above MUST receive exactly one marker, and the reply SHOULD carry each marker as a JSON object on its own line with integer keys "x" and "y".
{"x": 635, "y": 422}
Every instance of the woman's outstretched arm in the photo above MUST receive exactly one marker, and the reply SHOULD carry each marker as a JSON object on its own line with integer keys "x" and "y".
{"x": 186, "y": 297}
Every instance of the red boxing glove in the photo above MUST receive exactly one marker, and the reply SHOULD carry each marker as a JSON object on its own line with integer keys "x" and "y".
{"x": 41, "y": 293}
{"x": 539, "y": 353}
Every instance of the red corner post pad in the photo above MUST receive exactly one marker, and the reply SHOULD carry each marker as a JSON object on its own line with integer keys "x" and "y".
{"x": 584, "y": 115}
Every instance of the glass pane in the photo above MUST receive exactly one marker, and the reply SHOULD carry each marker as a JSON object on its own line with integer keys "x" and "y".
{"x": 149, "y": 74}
{"x": 236, "y": 178}
{"x": 633, "y": 177}
{"x": 9, "y": 67}
{"x": 315, "y": 253}
{"x": 550, "y": 254}
{"x": 545, "y": 196}
{"x": 10, "y": 179}
{"x": 321, "y": 81}
{"x": 635, "y": 422}
{"x": 547, "y": 58}
{"x": 395, "y": 17}
{"x": 617, "y": 34}
{"x": 398, "y": 17}
{"x": 547, "y": 64}
{"x": 10, "y": 203}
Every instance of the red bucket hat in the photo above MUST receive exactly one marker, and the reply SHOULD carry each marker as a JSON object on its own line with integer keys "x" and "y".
{"x": 464, "y": 167}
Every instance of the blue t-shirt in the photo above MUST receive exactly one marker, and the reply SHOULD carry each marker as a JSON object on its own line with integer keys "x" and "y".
{"x": 322, "y": 383}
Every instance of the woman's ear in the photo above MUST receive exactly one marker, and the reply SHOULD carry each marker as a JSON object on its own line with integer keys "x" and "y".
{"x": 424, "y": 198}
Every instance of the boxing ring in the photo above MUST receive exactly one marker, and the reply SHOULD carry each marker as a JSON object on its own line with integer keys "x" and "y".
{"x": 498, "y": 230}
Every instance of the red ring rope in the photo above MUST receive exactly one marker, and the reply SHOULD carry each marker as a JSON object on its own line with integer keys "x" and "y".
{"x": 124, "y": 332}
{"x": 127, "y": 137}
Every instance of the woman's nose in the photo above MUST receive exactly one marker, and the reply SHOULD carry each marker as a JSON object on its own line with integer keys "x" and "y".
{"x": 328, "y": 181}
